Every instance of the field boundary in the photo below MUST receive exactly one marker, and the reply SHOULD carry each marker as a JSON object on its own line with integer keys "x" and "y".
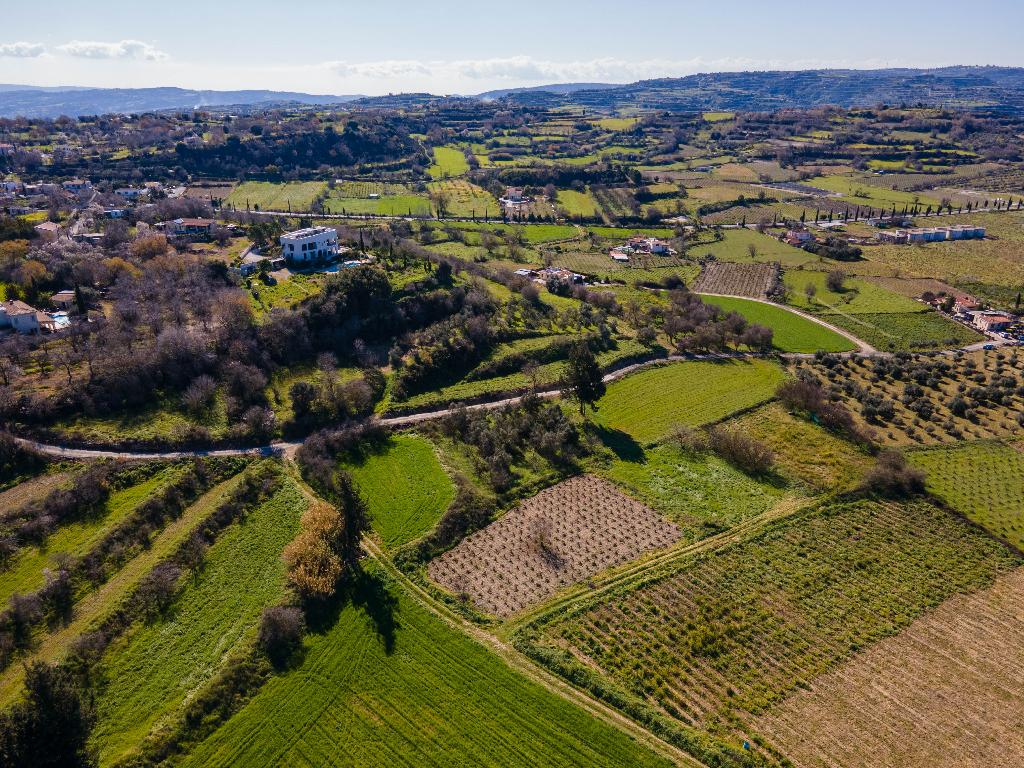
{"x": 522, "y": 664}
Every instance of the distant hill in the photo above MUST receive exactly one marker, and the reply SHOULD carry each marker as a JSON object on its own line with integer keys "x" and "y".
{"x": 964, "y": 87}
{"x": 960, "y": 87}
{"x": 558, "y": 88}
{"x": 33, "y": 101}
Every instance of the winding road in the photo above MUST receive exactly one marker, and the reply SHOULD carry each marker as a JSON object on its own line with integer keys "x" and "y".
{"x": 287, "y": 449}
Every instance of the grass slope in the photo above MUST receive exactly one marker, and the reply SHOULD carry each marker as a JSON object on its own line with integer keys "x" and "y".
{"x": 405, "y": 488}
{"x": 92, "y": 608}
{"x": 791, "y": 333}
{"x": 25, "y": 571}
{"x": 155, "y": 668}
{"x": 703, "y": 494}
{"x": 648, "y": 404}
{"x": 270, "y": 196}
{"x": 434, "y": 697}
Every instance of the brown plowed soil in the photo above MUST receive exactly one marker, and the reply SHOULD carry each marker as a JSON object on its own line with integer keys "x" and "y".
{"x": 559, "y": 537}
{"x": 946, "y": 693}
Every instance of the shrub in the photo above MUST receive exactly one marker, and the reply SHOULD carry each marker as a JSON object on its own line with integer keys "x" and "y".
{"x": 893, "y": 477}
{"x": 314, "y": 565}
{"x": 50, "y": 726}
{"x": 281, "y": 631}
{"x": 157, "y": 590}
{"x": 742, "y": 451}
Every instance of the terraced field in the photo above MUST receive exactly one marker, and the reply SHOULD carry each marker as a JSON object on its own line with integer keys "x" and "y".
{"x": 24, "y": 573}
{"x": 96, "y": 605}
{"x": 405, "y": 489}
{"x": 648, "y": 404}
{"x": 158, "y": 666}
{"x": 985, "y": 481}
{"x": 393, "y": 685}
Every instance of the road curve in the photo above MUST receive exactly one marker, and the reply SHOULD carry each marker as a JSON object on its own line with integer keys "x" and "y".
{"x": 862, "y": 346}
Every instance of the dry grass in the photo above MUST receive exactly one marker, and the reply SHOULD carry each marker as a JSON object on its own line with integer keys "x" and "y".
{"x": 946, "y": 692}
{"x": 14, "y": 498}
{"x": 559, "y": 537}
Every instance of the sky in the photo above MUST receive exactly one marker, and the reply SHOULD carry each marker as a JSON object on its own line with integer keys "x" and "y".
{"x": 367, "y": 47}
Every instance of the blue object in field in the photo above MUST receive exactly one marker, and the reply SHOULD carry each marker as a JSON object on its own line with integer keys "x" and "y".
{"x": 746, "y": 745}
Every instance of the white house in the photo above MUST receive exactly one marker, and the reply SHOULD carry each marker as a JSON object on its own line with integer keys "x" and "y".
{"x": 78, "y": 186}
{"x": 310, "y": 244}
{"x": 130, "y": 193}
{"x": 48, "y": 230}
{"x": 19, "y": 316}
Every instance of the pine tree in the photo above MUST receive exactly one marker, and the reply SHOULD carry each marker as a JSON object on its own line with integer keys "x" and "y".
{"x": 583, "y": 381}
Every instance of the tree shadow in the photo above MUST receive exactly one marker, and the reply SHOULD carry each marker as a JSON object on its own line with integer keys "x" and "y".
{"x": 622, "y": 444}
{"x": 370, "y": 592}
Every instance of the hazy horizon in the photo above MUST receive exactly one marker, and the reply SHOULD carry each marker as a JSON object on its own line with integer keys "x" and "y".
{"x": 343, "y": 48}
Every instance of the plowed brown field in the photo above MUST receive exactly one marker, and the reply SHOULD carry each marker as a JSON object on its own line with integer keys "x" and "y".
{"x": 559, "y": 537}
{"x": 948, "y": 692}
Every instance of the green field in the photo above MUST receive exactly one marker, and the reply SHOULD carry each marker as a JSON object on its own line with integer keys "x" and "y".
{"x": 702, "y": 494}
{"x": 806, "y": 454}
{"x": 448, "y": 162}
{"x": 648, "y": 404}
{"x": 405, "y": 489}
{"x": 393, "y": 685}
{"x": 158, "y": 666}
{"x": 985, "y": 481}
{"x": 735, "y": 246}
{"x": 791, "y": 333}
{"x": 96, "y": 605}
{"x": 392, "y": 205}
{"x": 577, "y": 203}
{"x": 859, "y": 191}
{"x": 466, "y": 200}
{"x": 858, "y": 297}
{"x": 24, "y": 572}
{"x": 906, "y": 331}
{"x": 727, "y": 634}
{"x": 270, "y": 196}
{"x": 286, "y": 294}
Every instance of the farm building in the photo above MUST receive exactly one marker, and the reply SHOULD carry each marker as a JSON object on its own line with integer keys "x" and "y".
{"x": 798, "y": 237}
{"x": 77, "y": 186}
{"x": 18, "y": 316}
{"x": 992, "y": 321}
{"x": 48, "y": 230}
{"x": 64, "y": 300}
{"x": 190, "y": 227}
{"x": 641, "y": 245}
{"x": 932, "y": 234}
{"x": 310, "y": 244}
{"x": 252, "y": 262}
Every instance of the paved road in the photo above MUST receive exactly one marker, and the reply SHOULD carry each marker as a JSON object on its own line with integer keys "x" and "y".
{"x": 288, "y": 448}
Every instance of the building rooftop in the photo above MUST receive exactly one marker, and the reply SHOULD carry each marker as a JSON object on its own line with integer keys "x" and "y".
{"x": 16, "y": 307}
{"x": 307, "y": 232}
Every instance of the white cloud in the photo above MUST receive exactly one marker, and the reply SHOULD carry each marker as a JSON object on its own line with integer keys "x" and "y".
{"x": 22, "y": 50}
{"x": 125, "y": 49}
{"x": 382, "y": 69}
{"x": 522, "y": 69}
